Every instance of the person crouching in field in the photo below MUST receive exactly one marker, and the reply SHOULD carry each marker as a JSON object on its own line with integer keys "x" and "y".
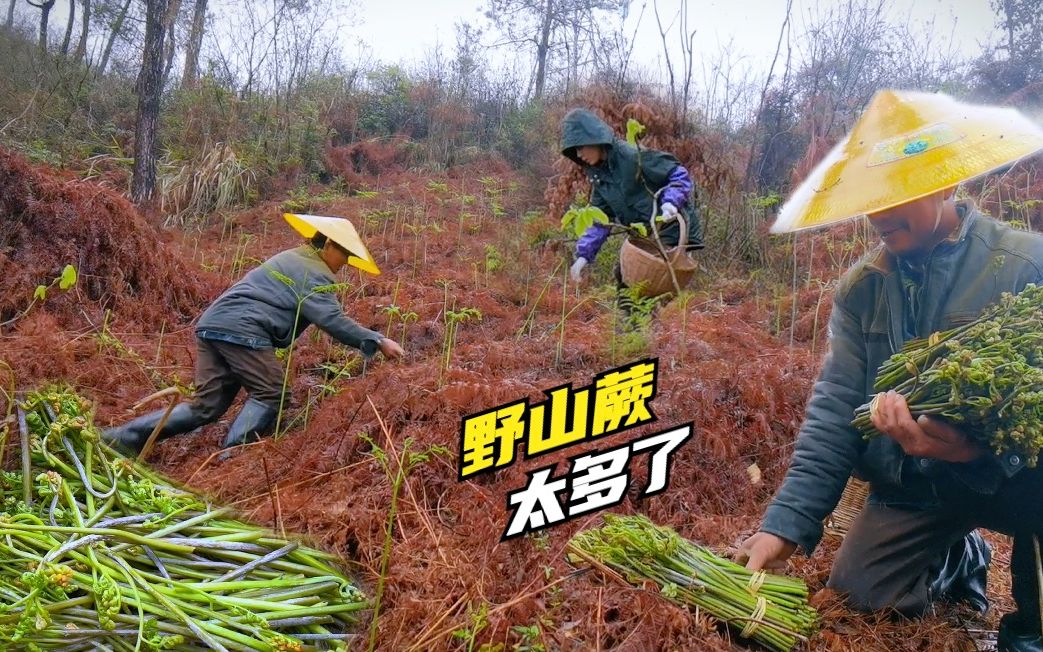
{"x": 940, "y": 262}
{"x": 268, "y": 308}
{"x": 629, "y": 185}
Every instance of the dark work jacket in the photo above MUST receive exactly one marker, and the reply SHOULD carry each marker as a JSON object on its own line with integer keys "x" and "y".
{"x": 261, "y": 310}
{"x": 625, "y": 183}
{"x": 961, "y": 277}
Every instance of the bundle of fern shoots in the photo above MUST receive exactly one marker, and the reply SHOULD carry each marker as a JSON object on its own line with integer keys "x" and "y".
{"x": 985, "y": 377}
{"x": 770, "y": 609}
{"x": 99, "y": 552}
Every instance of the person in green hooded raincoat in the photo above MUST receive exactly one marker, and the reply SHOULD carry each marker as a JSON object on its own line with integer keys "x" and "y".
{"x": 627, "y": 183}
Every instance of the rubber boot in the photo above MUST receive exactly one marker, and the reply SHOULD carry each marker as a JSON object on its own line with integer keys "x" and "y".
{"x": 1020, "y": 630}
{"x": 1013, "y": 640}
{"x": 254, "y": 421}
{"x": 131, "y": 436}
{"x": 623, "y": 301}
{"x": 625, "y": 304}
{"x": 964, "y": 574}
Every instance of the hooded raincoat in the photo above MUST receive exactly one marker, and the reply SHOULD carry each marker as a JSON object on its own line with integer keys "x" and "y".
{"x": 625, "y": 183}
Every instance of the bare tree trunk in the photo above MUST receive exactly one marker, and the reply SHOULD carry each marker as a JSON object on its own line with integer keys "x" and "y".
{"x": 276, "y": 59}
{"x": 149, "y": 88}
{"x": 10, "y": 15}
{"x": 68, "y": 28}
{"x": 542, "y": 51}
{"x": 45, "y": 14}
{"x": 170, "y": 46}
{"x": 81, "y": 47}
{"x": 748, "y": 178}
{"x": 117, "y": 27}
{"x": 626, "y": 60}
{"x": 666, "y": 55}
{"x": 1008, "y": 11}
{"x": 195, "y": 44}
{"x": 574, "y": 63}
{"x": 688, "y": 56}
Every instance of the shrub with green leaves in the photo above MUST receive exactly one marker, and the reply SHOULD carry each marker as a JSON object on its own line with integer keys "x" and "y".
{"x": 64, "y": 281}
{"x": 580, "y": 218}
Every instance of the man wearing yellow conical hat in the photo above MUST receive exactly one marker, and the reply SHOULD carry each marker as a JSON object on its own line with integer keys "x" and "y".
{"x": 269, "y": 308}
{"x": 940, "y": 263}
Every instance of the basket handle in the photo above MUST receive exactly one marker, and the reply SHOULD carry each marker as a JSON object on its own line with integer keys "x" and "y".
{"x": 682, "y": 240}
{"x": 682, "y": 224}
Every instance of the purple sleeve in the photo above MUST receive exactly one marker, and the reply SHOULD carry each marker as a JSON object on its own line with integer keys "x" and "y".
{"x": 678, "y": 188}
{"x": 590, "y": 242}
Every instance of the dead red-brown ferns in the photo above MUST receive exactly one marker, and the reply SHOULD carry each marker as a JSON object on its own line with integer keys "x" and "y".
{"x": 441, "y": 246}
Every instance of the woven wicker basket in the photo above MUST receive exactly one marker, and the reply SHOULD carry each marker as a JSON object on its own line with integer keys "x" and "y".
{"x": 642, "y": 264}
{"x": 851, "y": 503}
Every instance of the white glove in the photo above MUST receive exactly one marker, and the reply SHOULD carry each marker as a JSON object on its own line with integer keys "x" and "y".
{"x": 669, "y": 211}
{"x": 576, "y": 270}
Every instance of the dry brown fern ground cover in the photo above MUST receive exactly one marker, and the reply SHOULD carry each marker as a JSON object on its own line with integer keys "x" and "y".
{"x": 454, "y": 241}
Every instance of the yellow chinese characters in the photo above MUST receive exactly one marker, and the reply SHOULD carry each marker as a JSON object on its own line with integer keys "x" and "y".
{"x": 616, "y": 400}
{"x": 488, "y": 438}
{"x": 560, "y": 431}
{"x": 622, "y": 395}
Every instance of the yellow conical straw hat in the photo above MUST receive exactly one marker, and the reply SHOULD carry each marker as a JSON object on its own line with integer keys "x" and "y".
{"x": 905, "y": 146}
{"x": 340, "y": 231}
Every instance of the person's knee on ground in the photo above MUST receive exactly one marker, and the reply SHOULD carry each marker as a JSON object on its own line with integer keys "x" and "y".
{"x": 870, "y": 573}
{"x": 960, "y": 576}
{"x": 864, "y": 593}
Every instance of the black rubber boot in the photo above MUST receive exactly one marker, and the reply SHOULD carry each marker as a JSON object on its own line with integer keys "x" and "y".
{"x": 964, "y": 574}
{"x": 1020, "y": 630}
{"x": 623, "y": 301}
{"x": 253, "y": 422}
{"x": 131, "y": 436}
{"x": 1013, "y": 640}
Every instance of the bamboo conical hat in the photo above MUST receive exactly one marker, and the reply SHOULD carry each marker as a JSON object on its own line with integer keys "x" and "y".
{"x": 340, "y": 231}
{"x": 907, "y": 145}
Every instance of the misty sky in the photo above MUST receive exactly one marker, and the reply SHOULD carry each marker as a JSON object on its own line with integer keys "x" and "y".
{"x": 405, "y": 30}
